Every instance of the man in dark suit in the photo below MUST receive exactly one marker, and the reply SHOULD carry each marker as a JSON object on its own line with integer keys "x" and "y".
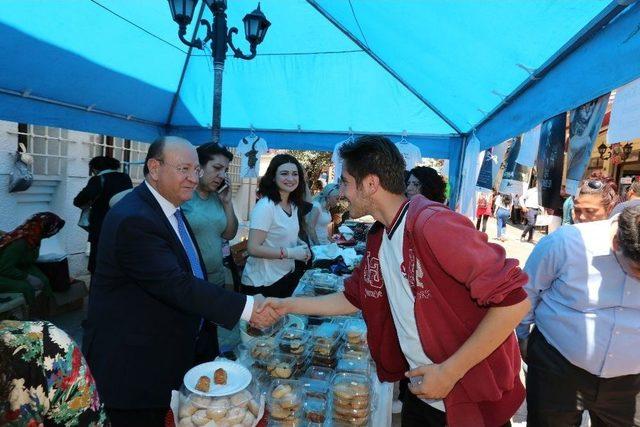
{"x": 149, "y": 293}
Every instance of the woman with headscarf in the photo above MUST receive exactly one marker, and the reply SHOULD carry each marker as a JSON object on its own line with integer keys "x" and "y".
{"x": 19, "y": 250}
{"x": 319, "y": 218}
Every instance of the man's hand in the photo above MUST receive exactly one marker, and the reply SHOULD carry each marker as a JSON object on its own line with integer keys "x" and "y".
{"x": 524, "y": 344}
{"x": 280, "y": 306}
{"x": 435, "y": 383}
{"x": 262, "y": 316}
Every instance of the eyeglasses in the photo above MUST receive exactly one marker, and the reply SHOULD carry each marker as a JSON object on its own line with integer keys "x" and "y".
{"x": 186, "y": 171}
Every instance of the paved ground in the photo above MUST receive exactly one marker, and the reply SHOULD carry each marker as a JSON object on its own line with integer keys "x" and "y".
{"x": 71, "y": 322}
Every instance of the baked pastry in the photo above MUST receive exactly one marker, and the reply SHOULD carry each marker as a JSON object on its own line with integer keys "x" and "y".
{"x": 220, "y": 376}
{"x": 218, "y": 408}
{"x": 282, "y": 370}
{"x": 254, "y": 407}
{"x": 204, "y": 384}
{"x": 200, "y": 418}
{"x": 281, "y": 390}
{"x": 241, "y": 399}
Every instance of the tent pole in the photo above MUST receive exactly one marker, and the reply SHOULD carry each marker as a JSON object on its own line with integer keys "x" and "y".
{"x": 176, "y": 95}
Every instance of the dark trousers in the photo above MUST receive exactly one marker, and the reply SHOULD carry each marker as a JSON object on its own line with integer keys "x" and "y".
{"x": 558, "y": 392}
{"x": 137, "y": 417}
{"x": 283, "y": 288}
{"x": 416, "y": 413}
{"x": 532, "y": 215}
{"x": 93, "y": 255}
{"x": 483, "y": 219}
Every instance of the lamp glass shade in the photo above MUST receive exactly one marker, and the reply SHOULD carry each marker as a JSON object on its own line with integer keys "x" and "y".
{"x": 255, "y": 26}
{"x": 602, "y": 148}
{"x": 182, "y": 10}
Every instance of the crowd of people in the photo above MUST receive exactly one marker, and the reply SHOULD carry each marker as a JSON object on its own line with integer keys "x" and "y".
{"x": 440, "y": 301}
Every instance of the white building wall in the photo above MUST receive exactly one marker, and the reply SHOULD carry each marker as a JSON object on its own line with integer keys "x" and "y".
{"x": 48, "y": 193}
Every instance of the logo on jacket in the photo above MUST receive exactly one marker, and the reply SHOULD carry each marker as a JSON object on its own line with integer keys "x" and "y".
{"x": 372, "y": 274}
{"x": 415, "y": 272}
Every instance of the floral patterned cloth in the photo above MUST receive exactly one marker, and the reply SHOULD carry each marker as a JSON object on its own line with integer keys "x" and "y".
{"x": 52, "y": 384}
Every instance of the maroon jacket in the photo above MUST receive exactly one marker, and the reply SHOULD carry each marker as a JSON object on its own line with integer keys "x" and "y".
{"x": 455, "y": 276}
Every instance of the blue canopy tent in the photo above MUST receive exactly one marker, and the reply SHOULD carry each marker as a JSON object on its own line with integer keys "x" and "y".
{"x": 439, "y": 69}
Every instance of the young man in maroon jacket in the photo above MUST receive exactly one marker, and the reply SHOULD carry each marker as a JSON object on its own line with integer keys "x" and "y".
{"x": 440, "y": 302}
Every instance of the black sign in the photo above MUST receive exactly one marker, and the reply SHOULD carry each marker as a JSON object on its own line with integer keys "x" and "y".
{"x": 550, "y": 161}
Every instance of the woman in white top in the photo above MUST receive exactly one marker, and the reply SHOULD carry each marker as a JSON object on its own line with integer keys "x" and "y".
{"x": 273, "y": 244}
{"x": 319, "y": 218}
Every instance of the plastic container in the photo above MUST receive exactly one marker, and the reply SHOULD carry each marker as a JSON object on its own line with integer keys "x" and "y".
{"x": 284, "y": 401}
{"x": 319, "y": 373}
{"x": 351, "y": 398}
{"x": 355, "y": 332}
{"x": 349, "y": 351}
{"x": 261, "y": 351}
{"x": 239, "y": 408}
{"x": 314, "y": 411}
{"x": 282, "y": 365}
{"x": 318, "y": 389}
{"x": 293, "y": 341}
{"x": 354, "y": 365}
{"x": 325, "y": 283}
{"x": 326, "y": 341}
{"x": 248, "y": 332}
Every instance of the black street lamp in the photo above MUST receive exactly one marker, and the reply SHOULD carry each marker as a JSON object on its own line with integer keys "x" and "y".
{"x": 255, "y": 29}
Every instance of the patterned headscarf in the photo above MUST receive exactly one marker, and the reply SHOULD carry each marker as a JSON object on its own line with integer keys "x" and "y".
{"x": 38, "y": 227}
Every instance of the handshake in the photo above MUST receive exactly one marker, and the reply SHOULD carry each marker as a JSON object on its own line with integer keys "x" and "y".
{"x": 267, "y": 311}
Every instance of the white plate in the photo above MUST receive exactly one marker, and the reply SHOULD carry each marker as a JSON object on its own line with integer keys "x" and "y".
{"x": 238, "y": 378}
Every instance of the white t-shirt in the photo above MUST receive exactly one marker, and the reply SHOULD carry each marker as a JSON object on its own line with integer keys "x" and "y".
{"x": 401, "y": 299}
{"x": 324, "y": 218}
{"x": 282, "y": 232}
{"x": 411, "y": 154}
{"x": 250, "y": 149}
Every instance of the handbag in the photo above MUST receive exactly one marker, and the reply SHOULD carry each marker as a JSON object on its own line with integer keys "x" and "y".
{"x": 83, "y": 222}
{"x": 20, "y": 178}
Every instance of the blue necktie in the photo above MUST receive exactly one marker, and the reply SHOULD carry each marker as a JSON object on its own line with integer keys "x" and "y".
{"x": 192, "y": 254}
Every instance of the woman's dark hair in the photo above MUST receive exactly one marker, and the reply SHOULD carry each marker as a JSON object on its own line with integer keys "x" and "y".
{"x": 600, "y": 184}
{"x": 432, "y": 185}
{"x": 210, "y": 149}
{"x": 375, "y": 155}
{"x": 268, "y": 188}
{"x": 103, "y": 163}
{"x": 506, "y": 200}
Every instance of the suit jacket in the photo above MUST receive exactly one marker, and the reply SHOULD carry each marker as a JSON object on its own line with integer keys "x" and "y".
{"x": 145, "y": 306}
{"x": 99, "y": 190}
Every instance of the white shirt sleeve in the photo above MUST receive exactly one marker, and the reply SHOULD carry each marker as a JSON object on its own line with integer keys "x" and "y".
{"x": 248, "y": 309}
{"x": 262, "y": 215}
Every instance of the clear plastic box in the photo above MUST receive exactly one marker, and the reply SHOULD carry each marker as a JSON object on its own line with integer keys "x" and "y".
{"x": 284, "y": 401}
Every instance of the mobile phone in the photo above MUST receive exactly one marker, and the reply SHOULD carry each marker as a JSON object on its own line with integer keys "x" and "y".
{"x": 223, "y": 187}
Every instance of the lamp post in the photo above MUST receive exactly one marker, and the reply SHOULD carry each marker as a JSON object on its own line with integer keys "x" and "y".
{"x": 221, "y": 37}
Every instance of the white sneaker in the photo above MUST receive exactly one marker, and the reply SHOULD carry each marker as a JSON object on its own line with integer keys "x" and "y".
{"x": 396, "y": 407}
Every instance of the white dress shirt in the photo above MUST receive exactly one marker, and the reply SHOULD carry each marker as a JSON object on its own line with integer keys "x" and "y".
{"x": 583, "y": 302}
{"x": 169, "y": 210}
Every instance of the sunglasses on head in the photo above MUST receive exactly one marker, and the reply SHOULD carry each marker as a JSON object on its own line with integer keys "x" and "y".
{"x": 595, "y": 184}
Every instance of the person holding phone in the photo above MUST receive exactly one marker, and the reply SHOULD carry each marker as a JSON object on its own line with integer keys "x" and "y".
{"x": 212, "y": 218}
